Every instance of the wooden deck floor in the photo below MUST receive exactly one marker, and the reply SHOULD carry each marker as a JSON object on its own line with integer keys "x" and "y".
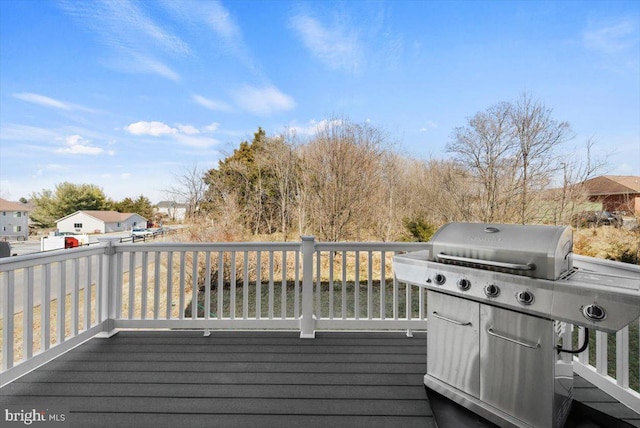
{"x": 256, "y": 379}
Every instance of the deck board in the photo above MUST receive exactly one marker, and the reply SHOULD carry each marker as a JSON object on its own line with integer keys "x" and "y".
{"x": 266, "y": 379}
{"x": 181, "y": 378}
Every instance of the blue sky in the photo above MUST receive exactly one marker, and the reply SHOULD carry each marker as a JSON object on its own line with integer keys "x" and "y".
{"x": 127, "y": 95}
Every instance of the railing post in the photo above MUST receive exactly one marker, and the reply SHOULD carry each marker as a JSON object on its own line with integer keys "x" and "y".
{"x": 307, "y": 323}
{"x": 108, "y": 290}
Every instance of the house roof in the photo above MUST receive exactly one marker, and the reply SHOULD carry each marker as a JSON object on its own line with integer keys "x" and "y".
{"x": 12, "y": 206}
{"x": 170, "y": 204}
{"x": 105, "y": 216}
{"x": 613, "y": 185}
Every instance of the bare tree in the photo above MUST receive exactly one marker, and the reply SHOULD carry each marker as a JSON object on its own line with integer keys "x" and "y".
{"x": 537, "y": 137}
{"x": 284, "y": 166}
{"x": 340, "y": 170}
{"x": 189, "y": 189}
{"x": 485, "y": 146}
{"x": 572, "y": 193}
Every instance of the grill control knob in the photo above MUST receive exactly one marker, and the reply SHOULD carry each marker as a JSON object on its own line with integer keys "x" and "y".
{"x": 464, "y": 284}
{"x": 492, "y": 290}
{"x": 594, "y": 312}
{"x": 525, "y": 297}
{"x": 440, "y": 279}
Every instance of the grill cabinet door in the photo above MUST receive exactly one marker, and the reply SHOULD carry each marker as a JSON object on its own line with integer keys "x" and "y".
{"x": 517, "y": 371}
{"x": 453, "y": 341}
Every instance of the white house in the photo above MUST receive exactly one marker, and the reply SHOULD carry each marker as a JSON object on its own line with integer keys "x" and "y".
{"x": 100, "y": 222}
{"x": 14, "y": 220}
{"x": 175, "y": 211}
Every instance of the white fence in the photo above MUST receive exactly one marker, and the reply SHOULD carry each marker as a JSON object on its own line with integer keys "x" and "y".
{"x": 306, "y": 286}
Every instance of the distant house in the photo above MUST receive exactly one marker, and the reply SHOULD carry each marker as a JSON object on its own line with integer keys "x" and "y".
{"x": 615, "y": 192}
{"x": 175, "y": 211}
{"x": 100, "y": 222}
{"x": 14, "y": 220}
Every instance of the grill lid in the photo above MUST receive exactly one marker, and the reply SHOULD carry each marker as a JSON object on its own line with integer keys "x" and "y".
{"x": 529, "y": 250}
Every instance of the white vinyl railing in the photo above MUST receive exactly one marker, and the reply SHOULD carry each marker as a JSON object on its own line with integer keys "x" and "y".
{"x": 305, "y": 286}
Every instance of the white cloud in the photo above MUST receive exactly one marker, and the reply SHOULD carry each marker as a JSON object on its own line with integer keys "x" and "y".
{"x": 211, "y": 104}
{"x": 312, "y": 127}
{"x": 611, "y": 37}
{"x": 135, "y": 42}
{"x": 211, "y": 128}
{"x": 338, "y": 47}
{"x": 76, "y": 145}
{"x": 263, "y": 101}
{"x": 151, "y": 128}
{"x": 188, "y": 129}
{"x": 125, "y": 175}
{"x": 212, "y": 15}
{"x": 45, "y": 101}
{"x": 184, "y": 134}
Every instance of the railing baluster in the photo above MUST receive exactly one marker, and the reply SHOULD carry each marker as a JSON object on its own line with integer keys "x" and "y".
{"x": 383, "y": 286}
{"x": 182, "y": 286}
{"x": 307, "y": 326}
{"x": 409, "y": 306}
{"x": 7, "y": 320}
{"x": 356, "y": 287}
{"x": 156, "y": 285}
{"x": 318, "y": 286}
{"x": 220, "y": 283}
{"x": 169, "y": 308}
{"x": 245, "y": 286}
{"x": 369, "y": 285}
{"x": 194, "y": 286}
{"x": 27, "y": 316}
{"x": 45, "y": 308}
{"x": 344, "y": 285}
{"x": 132, "y": 284}
{"x": 296, "y": 303}
{"x": 331, "y": 288}
{"x": 622, "y": 357}
{"x": 62, "y": 294}
{"x": 232, "y": 300}
{"x": 584, "y": 356}
{"x": 258, "y": 284}
{"x": 207, "y": 286}
{"x": 75, "y": 301}
{"x": 270, "y": 285}
{"x": 119, "y": 277}
{"x": 601, "y": 353}
{"x": 87, "y": 291}
{"x": 395, "y": 297}
{"x": 144, "y": 285}
{"x": 283, "y": 299}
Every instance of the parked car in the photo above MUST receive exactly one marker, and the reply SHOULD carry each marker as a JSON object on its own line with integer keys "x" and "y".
{"x": 140, "y": 232}
{"x": 596, "y": 218}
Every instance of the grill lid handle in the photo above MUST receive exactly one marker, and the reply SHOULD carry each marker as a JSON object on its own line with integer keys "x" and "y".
{"x": 512, "y": 266}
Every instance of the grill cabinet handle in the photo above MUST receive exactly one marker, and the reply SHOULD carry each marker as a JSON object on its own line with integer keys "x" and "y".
{"x": 512, "y": 340}
{"x": 435, "y": 314}
{"x": 512, "y": 266}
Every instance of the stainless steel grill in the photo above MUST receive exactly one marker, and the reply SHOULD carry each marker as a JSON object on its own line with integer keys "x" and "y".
{"x": 495, "y": 295}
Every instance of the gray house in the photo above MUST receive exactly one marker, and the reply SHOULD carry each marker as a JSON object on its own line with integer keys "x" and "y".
{"x": 14, "y": 220}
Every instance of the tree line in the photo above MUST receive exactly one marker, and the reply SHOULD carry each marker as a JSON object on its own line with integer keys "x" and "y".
{"x": 347, "y": 181}
{"x": 67, "y": 198}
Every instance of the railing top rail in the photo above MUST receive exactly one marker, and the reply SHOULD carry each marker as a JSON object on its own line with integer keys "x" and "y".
{"x": 370, "y": 246}
{"x": 36, "y": 259}
{"x": 208, "y": 246}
